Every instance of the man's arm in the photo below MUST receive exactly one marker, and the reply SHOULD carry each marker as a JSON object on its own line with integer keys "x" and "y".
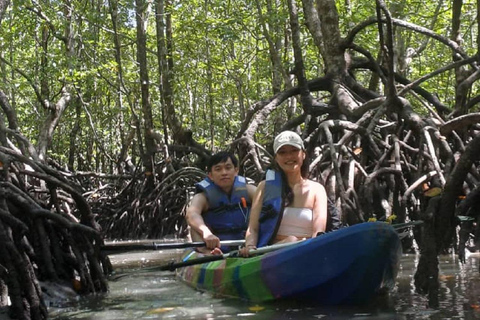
{"x": 199, "y": 230}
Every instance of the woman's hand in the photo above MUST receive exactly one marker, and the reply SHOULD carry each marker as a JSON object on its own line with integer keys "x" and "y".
{"x": 206, "y": 251}
{"x": 245, "y": 251}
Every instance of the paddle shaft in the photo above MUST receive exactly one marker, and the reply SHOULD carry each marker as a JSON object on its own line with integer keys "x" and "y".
{"x": 397, "y": 226}
{"x": 403, "y": 229}
{"x": 253, "y": 252}
{"x": 139, "y": 246}
{"x": 172, "y": 266}
{"x": 175, "y": 265}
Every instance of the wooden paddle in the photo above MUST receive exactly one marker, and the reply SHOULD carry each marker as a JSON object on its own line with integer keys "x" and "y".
{"x": 126, "y": 246}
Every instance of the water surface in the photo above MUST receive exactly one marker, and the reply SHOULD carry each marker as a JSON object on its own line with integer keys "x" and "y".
{"x": 158, "y": 295}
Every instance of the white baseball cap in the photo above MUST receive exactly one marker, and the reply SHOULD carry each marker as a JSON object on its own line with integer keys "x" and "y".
{"x": 287, "y": 138}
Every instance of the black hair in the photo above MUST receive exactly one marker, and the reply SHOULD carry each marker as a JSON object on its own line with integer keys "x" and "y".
{"x": 219, "y": 157}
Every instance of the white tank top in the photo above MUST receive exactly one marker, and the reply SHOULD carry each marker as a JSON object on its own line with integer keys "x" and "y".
{"x": 296, "y": 222}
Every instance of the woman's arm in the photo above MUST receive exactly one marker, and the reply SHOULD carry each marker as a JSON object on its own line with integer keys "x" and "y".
{"x": 251, "y": 237}
{"x": 319, "y": 209}
{"x": 251, "y": 190}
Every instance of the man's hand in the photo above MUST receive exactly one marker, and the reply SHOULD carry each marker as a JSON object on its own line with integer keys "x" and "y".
{"x": 212, "y": 244}
{"x": 211, "y": 241}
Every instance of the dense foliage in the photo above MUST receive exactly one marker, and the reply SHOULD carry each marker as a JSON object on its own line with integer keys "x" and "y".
{"x": 115, "y": 101}
{"x": 221, "y": 66}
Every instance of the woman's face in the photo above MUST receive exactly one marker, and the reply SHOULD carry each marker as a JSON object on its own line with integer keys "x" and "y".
{"x": 290, "y": 158}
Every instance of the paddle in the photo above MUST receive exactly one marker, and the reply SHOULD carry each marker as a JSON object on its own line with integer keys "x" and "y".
{"x": 172, "y": 266}
{"x": 397, "y": 226}
{"x": 254, "y": 252}
{"x": 403, "y": 229}
{"x": 125, "y": 246}
{"x": 175, "y": 265}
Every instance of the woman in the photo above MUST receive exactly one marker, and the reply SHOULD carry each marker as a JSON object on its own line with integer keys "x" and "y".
{"x": 304, "y": 202}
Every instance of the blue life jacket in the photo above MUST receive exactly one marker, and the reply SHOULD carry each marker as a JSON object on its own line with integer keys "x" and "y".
{"x": 272, "y": 208}
{"x": 227, "y": 217}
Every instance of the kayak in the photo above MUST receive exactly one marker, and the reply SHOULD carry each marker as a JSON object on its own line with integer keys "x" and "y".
{"x": 346, "y": 266}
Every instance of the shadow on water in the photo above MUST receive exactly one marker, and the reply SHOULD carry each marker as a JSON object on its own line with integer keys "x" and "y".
{"x": 157, "y": 295}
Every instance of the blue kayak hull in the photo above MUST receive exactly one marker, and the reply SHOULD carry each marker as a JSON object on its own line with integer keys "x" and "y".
{"x": 347, "y": 266}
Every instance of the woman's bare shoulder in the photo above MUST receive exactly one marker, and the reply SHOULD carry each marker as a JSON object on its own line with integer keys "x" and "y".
{"x": 251, "y": 188}
{"x": 315, "y": 185}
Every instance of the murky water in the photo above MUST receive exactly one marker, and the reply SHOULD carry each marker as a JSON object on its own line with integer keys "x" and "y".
{"x": 157, "y": 295}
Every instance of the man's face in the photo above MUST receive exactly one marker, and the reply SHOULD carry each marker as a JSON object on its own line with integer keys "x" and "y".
{"x": 223, "y": 175}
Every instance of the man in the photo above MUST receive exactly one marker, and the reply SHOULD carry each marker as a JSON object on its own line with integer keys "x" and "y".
{"x": 220, "y": 208}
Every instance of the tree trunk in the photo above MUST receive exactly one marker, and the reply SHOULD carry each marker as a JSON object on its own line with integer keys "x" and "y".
{"x": 149, "y": 152}
{"x": 126, "y": 136}
{"x": 453, "y": 189}
{"x": 305, "y": 96}
{"x": 334, "y": 57}
{"x": 3, "y": 7}
{"x": 461, "y": 73}
{"x": 77, "y": 129}
{"x": 313, "y": 24}
{"x": 279, "y": 76}
{"x": 51, "y": 121}
{"x": 164, "y": 72}
{"x": 55, "y": 110}
{"x": 170, "y": 120}
{"x": 210, "y": 105}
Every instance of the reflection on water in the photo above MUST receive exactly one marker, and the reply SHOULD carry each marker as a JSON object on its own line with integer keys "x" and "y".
{"x": 157, "y": 295}
{"x": 459, "y": 290}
